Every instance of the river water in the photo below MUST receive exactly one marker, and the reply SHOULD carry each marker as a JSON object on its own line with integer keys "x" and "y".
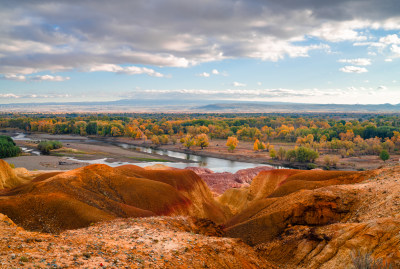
{"x": 215, "y": 164}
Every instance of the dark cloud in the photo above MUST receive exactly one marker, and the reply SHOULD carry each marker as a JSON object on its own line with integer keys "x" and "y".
{"x": 57, "y": 35}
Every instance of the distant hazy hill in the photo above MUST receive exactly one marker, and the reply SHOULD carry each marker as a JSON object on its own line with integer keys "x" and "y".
{"x": 296, "y": 107}
{"x": 193, "y": 105}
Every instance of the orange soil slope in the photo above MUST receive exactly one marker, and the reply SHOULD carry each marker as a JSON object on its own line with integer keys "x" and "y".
{"x": 281, "y": 182}
{"x": 8, "y": 178}
{"x": 94, "y": 193}
{"x": 319, "y": 219}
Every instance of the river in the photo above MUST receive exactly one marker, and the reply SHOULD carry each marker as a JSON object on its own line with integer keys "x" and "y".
{"x": 215, "y": 164}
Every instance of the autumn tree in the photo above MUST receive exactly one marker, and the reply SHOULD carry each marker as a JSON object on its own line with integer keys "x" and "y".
{"x": 232, "y": 143}
{"x": 202, "y": 140}
{"x": 187, "y": 141}
{"x": 155, "y": 140}
{"x": 281, "y": 153}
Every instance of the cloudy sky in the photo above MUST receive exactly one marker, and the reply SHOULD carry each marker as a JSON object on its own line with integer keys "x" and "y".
{"x": 267, "y": 50}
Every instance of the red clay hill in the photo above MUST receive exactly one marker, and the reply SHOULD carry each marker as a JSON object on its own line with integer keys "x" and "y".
{"x": 290, "y": 218}
{"x": 95, "y": 193}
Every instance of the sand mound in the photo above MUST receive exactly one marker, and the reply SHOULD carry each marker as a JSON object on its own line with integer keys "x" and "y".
{"x": 95, "y": 193}
{"x": 8, "y": 178}
{"x": 158, "y": 167}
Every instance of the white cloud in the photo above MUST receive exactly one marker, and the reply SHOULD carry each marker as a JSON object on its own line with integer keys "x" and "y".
{"x": 204, "y": 74}
{"x": 14, "y": 77}
{"x": 382, "y": 88}
{"x": 340, "y": 31}
{"x": 390, "y": 39}
{"x": 359, "y": 61}
{"x": 34, "y": 78}
{"x": 396, "y": 50}
{"x": 9, "y": 95}
{"x": 353, "y": 69}
{"x": 388, "y": 60}
{"x": 128, "y": 70}
{"x": 215, "y": 72}
{"x": 238, "y": 84}
{"x": 49, "y": 78}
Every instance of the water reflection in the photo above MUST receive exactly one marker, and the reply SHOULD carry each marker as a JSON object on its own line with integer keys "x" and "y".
{"x": 215, "y": 164}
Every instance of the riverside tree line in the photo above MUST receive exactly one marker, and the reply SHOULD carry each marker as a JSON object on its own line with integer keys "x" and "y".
{"x": 346, "y": 134}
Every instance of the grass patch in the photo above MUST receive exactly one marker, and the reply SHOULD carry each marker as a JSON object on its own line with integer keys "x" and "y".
{"x": 148, "y": 159}
{"x": 57, "y": 154}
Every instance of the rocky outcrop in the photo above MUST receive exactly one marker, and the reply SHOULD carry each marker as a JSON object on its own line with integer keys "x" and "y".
{"x": 318, "y": 219}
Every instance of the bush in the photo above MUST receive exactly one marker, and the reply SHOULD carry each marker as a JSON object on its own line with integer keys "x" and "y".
{"x": 384, "y": 155}
{"x": 46, "y": 146}
{"x": 8, "y": 147}
{"x": 311, "y": 166}
{"x": 365, "y": 261}
{"x": 302, "y": 155}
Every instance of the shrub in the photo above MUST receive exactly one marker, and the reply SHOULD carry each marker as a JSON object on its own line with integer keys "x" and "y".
{"x": 302, "y": 155}
{"x": 46, "y": 146}
{"x": 365, "y": 261}
{"x": 311, "y": 166}
{"x": 272, "y": 153}
{"x": 384, "y": 155}
{"x": 8, "y": 147}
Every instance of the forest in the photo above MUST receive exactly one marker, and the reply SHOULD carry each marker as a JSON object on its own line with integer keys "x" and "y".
{"x": 346, "y": 134}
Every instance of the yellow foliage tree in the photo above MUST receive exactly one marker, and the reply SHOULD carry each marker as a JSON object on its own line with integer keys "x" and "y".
{"x": 232, "y": 143}
{"x": 202, "y": 140}
{"x": 255, "y": 146}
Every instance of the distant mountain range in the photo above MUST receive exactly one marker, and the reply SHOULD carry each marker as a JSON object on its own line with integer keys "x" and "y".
{"x": 187, "y": 106}
{"x": 268, "y": 107}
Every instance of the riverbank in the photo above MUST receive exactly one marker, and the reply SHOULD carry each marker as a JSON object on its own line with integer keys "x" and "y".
{"x": 79, "y": 151}
{"x": 111, "y": 149}
{"x": 244, "y": 153}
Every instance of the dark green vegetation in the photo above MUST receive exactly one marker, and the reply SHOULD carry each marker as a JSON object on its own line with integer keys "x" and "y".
{"x": 46, "y": 146}
{"x": 8, "y": 147}
{"x": 302, "y": 155}
{"x": 384, "y": 155}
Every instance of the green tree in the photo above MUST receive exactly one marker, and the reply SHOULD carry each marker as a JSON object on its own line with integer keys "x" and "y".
{"x": 46, "y": 146}
{"x": 8, "y": 147}
{"x": 384, "y": 155}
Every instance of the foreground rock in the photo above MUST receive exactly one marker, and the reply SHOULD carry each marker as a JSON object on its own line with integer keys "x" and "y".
{"x": 80, "y": 197}
{"x": 156, "y": 242}
{"x": 315, "y": 219}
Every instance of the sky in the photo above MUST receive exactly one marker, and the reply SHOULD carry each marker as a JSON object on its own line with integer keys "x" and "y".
{"x": 309, "y": 51}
